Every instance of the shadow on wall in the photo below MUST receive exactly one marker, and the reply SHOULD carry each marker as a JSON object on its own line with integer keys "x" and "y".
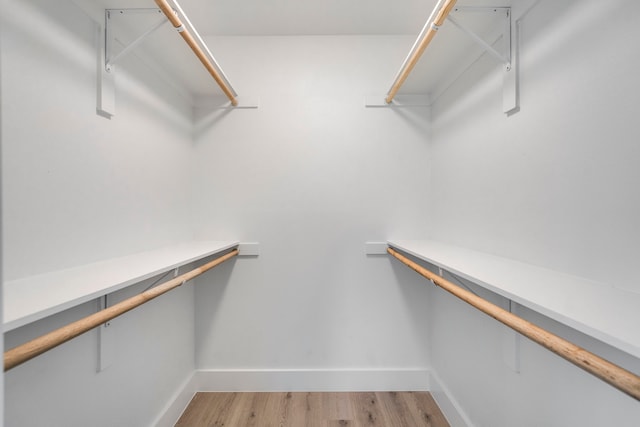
{"x": 414, "y": 291}
{"x": 41, "y": 24}
{"x": 477, "y": 89}
{"x": 416, "y": 118}
{"x": 141, "y": 89}
{"x": 210, "y": 290}
{"x": 207, "y": 118}
{"x": 62, "y": 34}
{"x": 565, "y": 25}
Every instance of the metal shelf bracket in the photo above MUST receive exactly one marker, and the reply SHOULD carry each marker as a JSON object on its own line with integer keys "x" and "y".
{"x": 508, "y": 57}
{"x": 109, "y": 58}
{"x": 106, "y": 339}
{"x": 511, "y": 341}
{"x": 109, "y": 39}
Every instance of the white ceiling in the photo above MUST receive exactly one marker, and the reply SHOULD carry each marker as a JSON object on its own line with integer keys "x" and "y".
{"x": 298, "y": 17}
{"x": 311, "y": 17}
{"x": 451, "y": 52}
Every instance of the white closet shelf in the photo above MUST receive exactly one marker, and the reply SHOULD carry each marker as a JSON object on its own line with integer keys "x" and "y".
{"x": 609, "y": 314}
{"x": 33, "y": 298}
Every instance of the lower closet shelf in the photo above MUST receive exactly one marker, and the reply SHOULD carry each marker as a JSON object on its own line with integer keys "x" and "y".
{"x": 599, "y": 310}
{"x": 33, "y": 298}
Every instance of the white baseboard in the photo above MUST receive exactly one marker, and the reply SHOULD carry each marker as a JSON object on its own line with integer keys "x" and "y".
{"x": 447, "y": 403}
{"x": 178, "y": 404}
{"x": 274, "y": 380}
{"x": 313, "y": 380}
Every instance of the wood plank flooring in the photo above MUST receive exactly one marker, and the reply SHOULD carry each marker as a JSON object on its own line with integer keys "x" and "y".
{"x": 388, "y": 409}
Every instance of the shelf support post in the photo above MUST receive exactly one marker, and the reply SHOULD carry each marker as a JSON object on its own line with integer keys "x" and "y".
{"x": 106, "y": 338}
{"x": 511, "y": 341}
{"x": 511, "y": 80}
{"x": 106, "y": 93}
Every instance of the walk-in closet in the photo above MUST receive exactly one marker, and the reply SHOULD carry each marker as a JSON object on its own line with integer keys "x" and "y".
{"x": 320, "y": 213}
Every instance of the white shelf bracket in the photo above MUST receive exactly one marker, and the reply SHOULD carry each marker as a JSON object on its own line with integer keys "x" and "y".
{"x": 106, "y": 93}
{"x": 511, "y": 81}
{"x": 109, "y": 14}
{"x": 106, "y": 339}
{"x": 501, "y": 57}
{"x": 108, "y": 58}
{"x": 511, "y": 342}
{"x": 508, "y": 58}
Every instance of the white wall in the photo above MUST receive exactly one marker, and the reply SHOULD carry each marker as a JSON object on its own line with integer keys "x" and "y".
{"x": 153, "y": 347}
{"x": 1, "y": 271}
{"x": 305, "y": 182}
{"x": 470, "y": 355}
{"x": 79, "y": 188}
{"x": 312, "y": 174}
{"x": 553, "y": 185}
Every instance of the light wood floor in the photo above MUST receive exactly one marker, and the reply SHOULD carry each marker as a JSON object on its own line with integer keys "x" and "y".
{"x": 388, "y": 409}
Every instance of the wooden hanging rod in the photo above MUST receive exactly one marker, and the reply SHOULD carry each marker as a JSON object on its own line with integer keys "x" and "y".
{"x": 199, "y": 52}
{"x": 441, "y": 11}
{"x": 37, "y": 346}
{"x": 618, "y": 377}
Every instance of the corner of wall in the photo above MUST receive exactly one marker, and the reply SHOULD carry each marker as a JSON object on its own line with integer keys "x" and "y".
{"x": 177, "y": 403}
{"x": 447, "y": 403}
{"x": 225, "y": 380}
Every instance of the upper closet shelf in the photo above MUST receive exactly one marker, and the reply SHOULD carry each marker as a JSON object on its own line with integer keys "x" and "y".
{"x": 33, "y": 298}
{"x": 455, "y": 36}
{"x": 161, "y": 34}
{"x": 599, "y": 310}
